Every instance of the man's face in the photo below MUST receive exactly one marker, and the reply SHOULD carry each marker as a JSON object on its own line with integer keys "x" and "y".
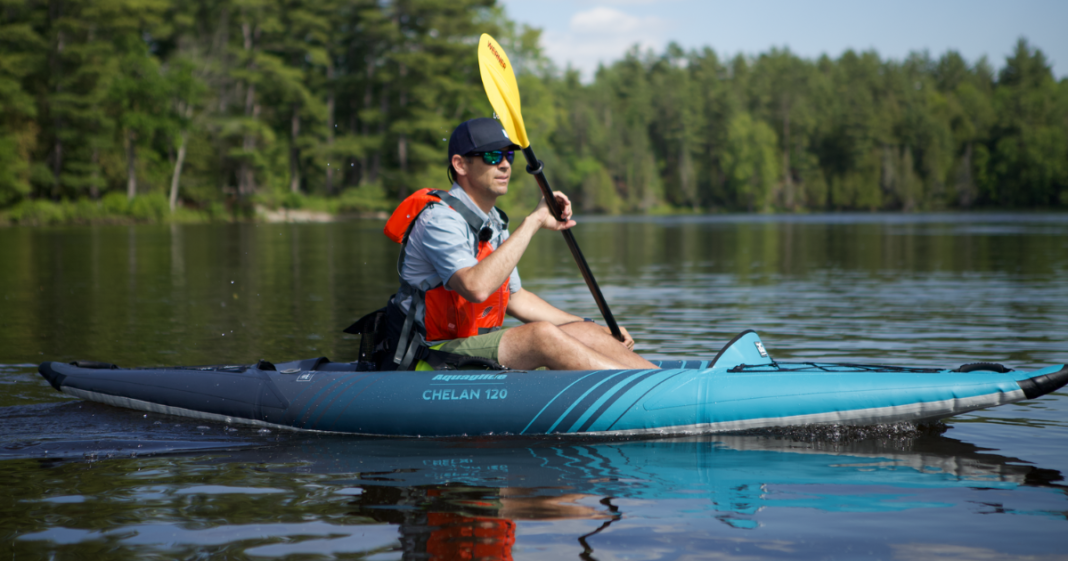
{"x": 487, "y": 179}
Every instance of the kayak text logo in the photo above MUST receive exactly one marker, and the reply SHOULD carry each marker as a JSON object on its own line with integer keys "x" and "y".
{"x": 468, "y": 377}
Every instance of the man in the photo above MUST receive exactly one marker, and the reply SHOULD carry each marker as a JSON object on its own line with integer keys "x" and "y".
{"x": 458, "y": 270}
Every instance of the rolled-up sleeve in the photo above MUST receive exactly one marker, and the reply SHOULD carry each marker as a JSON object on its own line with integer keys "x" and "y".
{"x": 514, "y": 284}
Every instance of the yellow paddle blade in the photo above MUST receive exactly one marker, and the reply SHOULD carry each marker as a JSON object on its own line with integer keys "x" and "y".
{"x": 499, "y": 80}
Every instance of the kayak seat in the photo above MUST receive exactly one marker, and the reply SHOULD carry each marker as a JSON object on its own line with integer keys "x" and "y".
{"x": 94, "y": 365}
{"x": 338, "y": 367}
{"x": 320, "y": 364}
{"x": 313, "y": 363}
{"x": 292, "y": 367}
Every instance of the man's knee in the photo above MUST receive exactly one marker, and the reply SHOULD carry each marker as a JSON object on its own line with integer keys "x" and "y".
{"x": 586, "y": 331}
{"x": 542, "y": 332}
{"x": 532, "y": 341}
{"x": 536, "y": 336}
{"x": 582, "y": 326}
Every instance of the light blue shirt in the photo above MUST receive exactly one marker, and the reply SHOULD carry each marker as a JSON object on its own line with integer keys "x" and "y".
{"x": 441, "y": 243}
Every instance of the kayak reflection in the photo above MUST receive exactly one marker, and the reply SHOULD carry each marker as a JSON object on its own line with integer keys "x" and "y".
{"x": 301, "y": 494}
{"x": 865, "y": 469}
{"x": 466, "y": 499}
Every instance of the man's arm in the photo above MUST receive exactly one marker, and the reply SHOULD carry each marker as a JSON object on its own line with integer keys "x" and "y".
{"x": 478, "y": 282}
{"x": 526, "y": 307}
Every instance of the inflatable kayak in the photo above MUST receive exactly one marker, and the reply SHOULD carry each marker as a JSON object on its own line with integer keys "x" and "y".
{"x": 741, "y": 388}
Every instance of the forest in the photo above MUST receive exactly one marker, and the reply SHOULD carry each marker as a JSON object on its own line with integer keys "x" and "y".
{"x": 156, "y": 110}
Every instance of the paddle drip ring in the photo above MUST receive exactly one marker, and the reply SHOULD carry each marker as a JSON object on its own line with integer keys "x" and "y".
{"x": 536, "y": 171}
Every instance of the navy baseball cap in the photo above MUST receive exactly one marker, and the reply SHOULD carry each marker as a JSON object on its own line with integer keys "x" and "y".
{"x": 479, "y": 135}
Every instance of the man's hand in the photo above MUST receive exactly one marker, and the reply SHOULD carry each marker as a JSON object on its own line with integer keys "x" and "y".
{"x": 628, "y": 341}
{"x": 545, "y": 217}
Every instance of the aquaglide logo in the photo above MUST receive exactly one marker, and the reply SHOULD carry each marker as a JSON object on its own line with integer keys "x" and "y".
{"x": 468, "y": 377}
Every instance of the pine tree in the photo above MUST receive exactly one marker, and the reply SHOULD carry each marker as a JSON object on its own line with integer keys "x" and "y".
{"x": 21, "y": 50}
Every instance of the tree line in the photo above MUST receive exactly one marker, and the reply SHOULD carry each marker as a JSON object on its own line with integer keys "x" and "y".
{"x": 218, "y": 106}
{"x": 778, "y": 132}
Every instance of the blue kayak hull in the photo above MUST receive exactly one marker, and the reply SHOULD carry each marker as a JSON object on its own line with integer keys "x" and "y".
{"x": 741, "y": 389}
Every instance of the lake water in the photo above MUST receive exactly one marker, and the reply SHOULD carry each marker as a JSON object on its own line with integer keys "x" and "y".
{"x": 84, "y": 480}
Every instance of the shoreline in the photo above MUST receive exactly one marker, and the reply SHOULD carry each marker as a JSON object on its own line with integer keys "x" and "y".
{"x": 85, "y": 213}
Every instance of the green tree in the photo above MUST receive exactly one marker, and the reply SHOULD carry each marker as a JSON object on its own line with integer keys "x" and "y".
{"x": 750, "y": 162}
{"x": 715, "y": 101}
{"x": 138, "y": 96}
{"x": 187, "y": 94}
{"x": 970, "y": 113}
{"x": 21, "y": 50}
{"x": 674, "y": 132}
{"x": 305, "y": 45}
{"x": 1029, "y": 151}
{"x": 780, "y": 92}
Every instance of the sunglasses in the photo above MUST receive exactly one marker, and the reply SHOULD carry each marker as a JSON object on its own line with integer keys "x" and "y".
{"x": 493, "y": 158}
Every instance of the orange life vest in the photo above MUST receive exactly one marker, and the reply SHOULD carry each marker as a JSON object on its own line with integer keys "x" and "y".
{"x": 446, "y": 314}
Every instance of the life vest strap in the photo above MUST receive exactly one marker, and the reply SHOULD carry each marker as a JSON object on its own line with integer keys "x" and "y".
{"x": 417, "y": 344}
{"x": 472, "y": 219}
{"x": 410, "y": 338}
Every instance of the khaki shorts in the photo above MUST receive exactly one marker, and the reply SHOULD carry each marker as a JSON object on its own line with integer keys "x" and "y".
{"x": 485, "y": 346}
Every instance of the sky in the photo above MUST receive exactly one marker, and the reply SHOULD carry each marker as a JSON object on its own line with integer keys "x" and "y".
{"x": 584, "y": 33}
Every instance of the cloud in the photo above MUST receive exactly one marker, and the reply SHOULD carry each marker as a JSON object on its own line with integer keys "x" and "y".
{"x": 602, "y": 21}
{"x": 601, "y": 35}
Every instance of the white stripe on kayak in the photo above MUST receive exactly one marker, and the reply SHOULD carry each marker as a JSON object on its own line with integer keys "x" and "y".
{"x": 140, "y": 405}
{"x": 913, "y": 413}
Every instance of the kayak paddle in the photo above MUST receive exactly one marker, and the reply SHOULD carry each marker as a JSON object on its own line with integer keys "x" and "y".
{"x": 503, "y": 92}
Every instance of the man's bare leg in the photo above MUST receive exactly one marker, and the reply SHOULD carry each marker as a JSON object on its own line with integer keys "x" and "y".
{"x": 541, "y": 343}
{"x": 595, "y": 337}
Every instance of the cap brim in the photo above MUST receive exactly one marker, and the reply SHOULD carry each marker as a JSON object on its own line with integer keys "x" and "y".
{"x": 498, "y": 145}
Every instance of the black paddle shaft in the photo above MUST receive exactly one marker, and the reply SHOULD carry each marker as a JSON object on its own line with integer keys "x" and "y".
{"x": 534, "y": 167}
